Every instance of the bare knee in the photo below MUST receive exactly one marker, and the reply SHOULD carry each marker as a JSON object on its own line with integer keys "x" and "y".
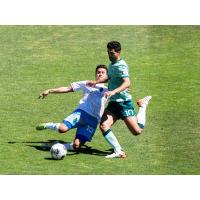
{"x": 104, "y": 127}
{"x": 132, "y": 124}
{"x": 62, "y": 128}
{"x": 107, "y": 120}
{"x": 137, "y": 131}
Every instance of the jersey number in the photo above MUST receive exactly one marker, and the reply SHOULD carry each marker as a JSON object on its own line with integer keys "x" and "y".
{"x": 129, "y": 112}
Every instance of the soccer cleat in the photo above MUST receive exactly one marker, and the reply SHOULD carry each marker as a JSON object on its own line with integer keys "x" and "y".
{"x": 40, "y": 127}
{"x": 143, "y": 101}
{"x": 120, "y": 154}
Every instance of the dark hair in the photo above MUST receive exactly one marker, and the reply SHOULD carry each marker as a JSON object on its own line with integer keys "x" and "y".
{"x": 114, "y": 45}
{"x": 101, "y": 66}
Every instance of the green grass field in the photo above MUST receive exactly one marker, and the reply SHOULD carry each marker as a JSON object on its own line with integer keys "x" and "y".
{"x": 164, "y": 62}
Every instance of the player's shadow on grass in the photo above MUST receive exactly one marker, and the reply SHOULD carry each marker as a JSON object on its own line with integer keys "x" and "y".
{"x": 89, "y": 150}
{"x": 46, "y": 146}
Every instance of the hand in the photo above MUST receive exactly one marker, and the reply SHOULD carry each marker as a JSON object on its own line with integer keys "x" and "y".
{"x": 91, "y": 83}
{"x": 44, "y": 94}
{"x": 109, "y": 94}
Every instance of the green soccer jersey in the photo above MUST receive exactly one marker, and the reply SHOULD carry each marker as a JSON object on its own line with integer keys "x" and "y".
{"x": 117, "y": 71}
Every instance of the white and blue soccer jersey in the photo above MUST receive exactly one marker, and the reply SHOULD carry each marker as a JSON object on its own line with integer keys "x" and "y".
{"x": 89, "y": 111}
{"x": 93, "y": 101}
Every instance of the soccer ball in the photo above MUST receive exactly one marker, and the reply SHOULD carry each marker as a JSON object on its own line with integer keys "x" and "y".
{"x": 58, "y": 151}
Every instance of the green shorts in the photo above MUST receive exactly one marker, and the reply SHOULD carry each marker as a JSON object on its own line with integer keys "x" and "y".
{"x": 121, "y": 110}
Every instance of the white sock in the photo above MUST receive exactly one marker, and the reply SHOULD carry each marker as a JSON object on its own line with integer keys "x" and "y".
{"x": 69, "y": 146}
{"x": 52, "y": 126}
{"x": 141, "y": 116}
{"x": 112, "y": 140}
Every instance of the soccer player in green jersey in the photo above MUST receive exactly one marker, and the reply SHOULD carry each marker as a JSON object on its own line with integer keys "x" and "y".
{"x": 120, "y": 104}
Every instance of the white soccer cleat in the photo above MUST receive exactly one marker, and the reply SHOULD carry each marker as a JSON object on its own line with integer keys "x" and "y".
{"x": 144, "y": 101}
{"x": 120, "y": 154}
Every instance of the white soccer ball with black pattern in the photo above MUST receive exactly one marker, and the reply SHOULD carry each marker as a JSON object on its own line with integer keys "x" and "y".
{"x": 58, "y": 151}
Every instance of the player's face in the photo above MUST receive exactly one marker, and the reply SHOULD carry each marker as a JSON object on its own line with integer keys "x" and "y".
{"x": 101, "y": 73}
{"x": 113, "y": 55}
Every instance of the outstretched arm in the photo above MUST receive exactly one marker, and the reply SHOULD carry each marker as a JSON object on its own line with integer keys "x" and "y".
{"x": 55, "y": 90}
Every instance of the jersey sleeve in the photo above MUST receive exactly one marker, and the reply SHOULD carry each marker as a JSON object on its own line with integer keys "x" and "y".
{"x": 76, "y": 86}
{"x": 122, "y": 71}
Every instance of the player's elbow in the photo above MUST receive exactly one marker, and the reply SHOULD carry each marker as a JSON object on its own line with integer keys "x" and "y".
{"x": 127, "y": 82}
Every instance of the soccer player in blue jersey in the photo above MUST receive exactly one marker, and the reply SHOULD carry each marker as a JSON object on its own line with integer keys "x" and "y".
{"x": 120, "y": 104}
{"x": 87, "y": 115}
